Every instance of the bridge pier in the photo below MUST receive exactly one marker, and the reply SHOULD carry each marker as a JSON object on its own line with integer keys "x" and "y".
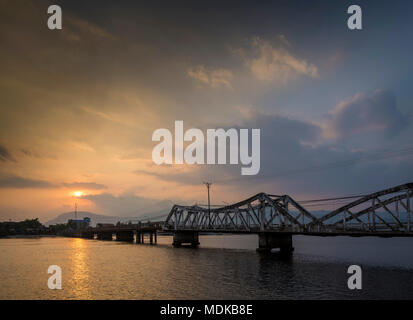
{"x": 140, "y": 236}
{"x": 124, "y": 236}
{"x": 88, "y": 235}
{"x": 186, "y": 237}
{"x": 269, "y": 240}
{"x": 104, "y": 235}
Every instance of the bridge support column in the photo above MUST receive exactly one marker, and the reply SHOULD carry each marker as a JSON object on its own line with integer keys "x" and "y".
{"x": 269, "y": 240}
{"x": 124, "y": 236}
{"x": 154, "y": 238}
{"x": 138, "y": 237}
{"x": 186, "y": 237}
{"x": 88, "y": 235}
{"x": 104, "y": 235}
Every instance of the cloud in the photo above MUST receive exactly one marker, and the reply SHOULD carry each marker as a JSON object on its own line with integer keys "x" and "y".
{"x": 215, "y": 78}
{"x": 129, "y": 205}
{"x": 34, "y": 154}
{"x": 192, "y": 176}
{"x": 5, "y": 154}
{"x": 276, "y": 65}
{"x": 361, "y": 114}
{"x": 284, "y": 142}
{"x": 88, "y": 28}
{"x": 16, "y": 182}
{"x": 63, "y": 98}
{"x": 295, "y": 159}
{"x": 85, "y": 185}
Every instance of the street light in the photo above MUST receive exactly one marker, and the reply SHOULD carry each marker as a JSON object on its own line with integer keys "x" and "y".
{"x": 208, "y": 185}
{"x": 77, "y": 195}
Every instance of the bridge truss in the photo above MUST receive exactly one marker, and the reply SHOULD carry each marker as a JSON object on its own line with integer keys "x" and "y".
{"x": 383, "y": 213}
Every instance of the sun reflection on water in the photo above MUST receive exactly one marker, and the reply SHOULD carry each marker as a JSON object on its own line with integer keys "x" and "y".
{"x": 79, "y": 279}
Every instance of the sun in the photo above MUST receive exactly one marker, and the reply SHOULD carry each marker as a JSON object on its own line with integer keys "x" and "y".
{"x": 78, "y": 193}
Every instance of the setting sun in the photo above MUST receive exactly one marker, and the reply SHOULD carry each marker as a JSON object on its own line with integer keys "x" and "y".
{"x": 78, "y": 193}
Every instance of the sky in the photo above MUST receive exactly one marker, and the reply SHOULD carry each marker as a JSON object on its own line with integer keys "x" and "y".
{"x": 79, "y": 105}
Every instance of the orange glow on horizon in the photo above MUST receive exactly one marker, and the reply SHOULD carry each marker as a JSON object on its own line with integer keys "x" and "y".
{"x": 78, "y": 193}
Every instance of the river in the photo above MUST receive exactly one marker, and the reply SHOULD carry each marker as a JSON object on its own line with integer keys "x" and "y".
{"x": 223, "y": 267}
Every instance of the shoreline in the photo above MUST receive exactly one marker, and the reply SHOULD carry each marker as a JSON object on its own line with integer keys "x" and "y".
{"x": 29, "y": 236}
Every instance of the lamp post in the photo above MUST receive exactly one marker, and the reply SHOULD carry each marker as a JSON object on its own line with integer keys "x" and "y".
{"x": 77, "y": 195}
{"x": 208, "y": 185}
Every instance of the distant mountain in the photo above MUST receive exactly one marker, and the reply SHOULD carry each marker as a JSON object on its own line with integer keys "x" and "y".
{"x": 100, "y": 218}
{"x": 153, "y": 211}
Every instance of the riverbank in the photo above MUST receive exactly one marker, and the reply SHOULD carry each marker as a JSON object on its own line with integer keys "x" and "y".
{"x": 29, "y": 236}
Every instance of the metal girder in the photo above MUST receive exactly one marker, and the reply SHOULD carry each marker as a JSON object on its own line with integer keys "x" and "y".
{"x": 407, "y": 186}
{"x": 281, "y": 213}
{"x": 384, "y": 200}
{"x": 261, "y": 212}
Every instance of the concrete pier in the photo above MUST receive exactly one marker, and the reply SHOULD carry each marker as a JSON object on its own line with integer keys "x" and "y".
{"x": 186, "y": 237}
{"x": 104, "y": 235}
{"x": 268, "y": 241}
{"x": 88, "y": 235}
{"x": 152, "y": 235}
{"x": 124, "y": 236}
{"x": 123, "y": 233}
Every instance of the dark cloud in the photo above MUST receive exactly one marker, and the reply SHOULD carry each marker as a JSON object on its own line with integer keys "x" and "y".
{"x": 5, "y": 154}
{"x": 11, "y": 181}
{"x": 376, "y": 113}
{"x": 192, "y": 177}
{"x": 293, "y": 161}
{"x": 24, "y": 183}
{"x": 85, "y": 185}
{"x": 284, "y": 145}
{"x": 284, "y": 136}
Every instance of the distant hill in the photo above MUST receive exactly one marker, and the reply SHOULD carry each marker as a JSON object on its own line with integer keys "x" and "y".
{"x": 154, "y": 211}
{"x": 95, "y": 218}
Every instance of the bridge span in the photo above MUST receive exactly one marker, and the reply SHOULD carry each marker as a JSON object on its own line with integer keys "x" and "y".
{"x": 127, "y": 232}
{"x": 276, "y": 218}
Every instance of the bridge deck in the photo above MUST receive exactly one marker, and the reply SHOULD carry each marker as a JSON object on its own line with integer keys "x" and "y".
{"x": 385, "y": 234}
{"x": 123, "y": 229}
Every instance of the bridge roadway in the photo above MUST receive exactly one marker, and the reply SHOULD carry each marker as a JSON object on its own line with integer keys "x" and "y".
{"x": 276, "y": 218}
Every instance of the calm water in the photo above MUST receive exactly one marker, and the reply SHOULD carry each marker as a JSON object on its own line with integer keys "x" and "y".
{"x": 224, "y": 267}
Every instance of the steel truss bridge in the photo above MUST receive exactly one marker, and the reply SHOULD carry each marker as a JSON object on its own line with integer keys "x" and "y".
{"x": 386, "y": 213}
